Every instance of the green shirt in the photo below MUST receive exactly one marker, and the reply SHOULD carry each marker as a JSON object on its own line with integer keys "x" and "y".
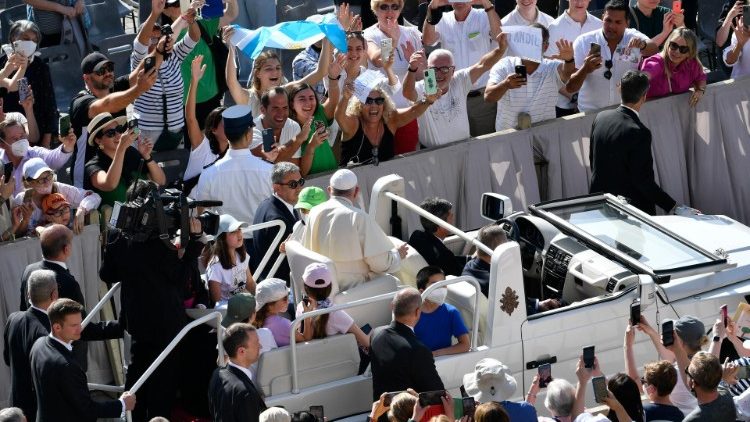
{"x": 207, "y": 87}
{"x": 323, "y": 159}
{"x": 652, "y": 25}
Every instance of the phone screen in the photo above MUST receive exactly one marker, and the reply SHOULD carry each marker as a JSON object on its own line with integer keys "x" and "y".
{"x": 588, "y": 356}
{"x": 64, "y": 124}
{"x": 595, "y": 49}
{"x": 677, "y": 6}
{"x": 149, "y": 64}
{"x": 430, "y": 82}
{"x": 600, "y": 388}
{"x": 545, "y": 374}
{"x": 428, "y": 398}
{"x": 725, "y": 315}
{"x": 667, "y": 333}
{"x": 469, "y": 406}
{"x": 743, "y": 372}
{"x": 635, "y": 313}
{"x": 521, "y": 71}
{"x": 268, "y": 139}
{"x": 386, "y": 48}
{"x": 7, "y": 172}
{"x": 23, "y": 89}
{"x": 317, "y": 411}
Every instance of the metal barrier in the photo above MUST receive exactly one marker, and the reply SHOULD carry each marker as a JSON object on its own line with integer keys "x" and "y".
{"x": 95, "y": 310}
{"x": 274, "y": 245}
{"x": 475, "y": 320}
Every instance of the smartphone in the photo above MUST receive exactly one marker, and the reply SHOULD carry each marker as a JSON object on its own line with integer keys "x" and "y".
{"x": 133, "y": 126}
{"x": 7, "y": 172}
{"x": 320, "y": 127}
{"x": 588, "y": 356}
{"x": 429, "y": 398}
{"x": 743, "y": 372}
{"x": 521, "y": 71}
{"x": 148, "y": 64}
{"x": 306, "y": 300}
{"x": 386, "y": 49}
{"x": 677, "y": 6}
{"x": 317, "y": 411}
{"x": 430, "y": 82}
{"x": 388, "y": 399}
{"x": 600, "y": 388}
{"x": 595, "y": 49}
{"x": 23, "y": 89}
{"x": 545, "y": 374}
{"x": 635, "y": 313}
{"x": 64, "y": 124}
{"x": 268, "y": 139}
{"x": 725, "y": 315}
{"x": 746, "y": 12}
{"x": 366, "y": 329}
{"x": 667, "y": 333}
{"x": 469, "y": 406}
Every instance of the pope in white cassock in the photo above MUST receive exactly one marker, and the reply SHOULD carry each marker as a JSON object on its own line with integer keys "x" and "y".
{"x": 349, "y": 236}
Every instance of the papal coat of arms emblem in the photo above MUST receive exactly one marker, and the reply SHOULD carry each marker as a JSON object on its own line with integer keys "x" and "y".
{"x": 509, "y": 301}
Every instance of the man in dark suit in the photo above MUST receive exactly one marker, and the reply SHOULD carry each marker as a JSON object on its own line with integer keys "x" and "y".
{"x": 399, "y": 360}
{"x": 620, "y": 153}
{"x": 429, "y": 243}
{"x": 57, "y": 246}
{"x": 232, "y": 396}
{"x": 61, "y": 385}
{"x": 287, "y": 184}
{"x": 22, "y": 329}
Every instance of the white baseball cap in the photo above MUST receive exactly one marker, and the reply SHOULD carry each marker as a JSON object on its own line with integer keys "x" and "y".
{"x": 270, "y": 290}
{"x": 34, "y": 168}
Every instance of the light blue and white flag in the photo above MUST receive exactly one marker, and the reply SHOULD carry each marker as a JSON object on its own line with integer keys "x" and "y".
{"x": 290, "y": 35}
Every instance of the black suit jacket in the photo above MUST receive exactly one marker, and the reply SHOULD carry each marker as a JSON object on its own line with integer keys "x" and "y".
{"x": 271, "y": 209}
{"x": 68, "y": 288}
{"x": 232, "y": 397}
{"x": 434, "y": 251}
{"x": 22, "y": 329}
{"x": 61, "y": 386}
{"x": 621, "y": 160}
{"x": 400, "y": 361}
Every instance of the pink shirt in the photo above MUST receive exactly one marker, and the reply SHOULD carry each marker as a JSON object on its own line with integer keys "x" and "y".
{"x": 684, "y": 76}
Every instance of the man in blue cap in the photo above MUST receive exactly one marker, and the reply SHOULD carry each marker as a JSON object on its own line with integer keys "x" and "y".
{"x": 240, "y": 180}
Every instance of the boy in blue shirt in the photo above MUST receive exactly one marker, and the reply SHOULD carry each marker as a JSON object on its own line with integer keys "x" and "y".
{"x": 439, "y": 321}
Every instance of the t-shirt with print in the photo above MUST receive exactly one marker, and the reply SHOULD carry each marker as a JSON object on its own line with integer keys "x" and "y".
{"x": 538, "y": 97}
{"x": 290, "y": 131}
{"x": 339, "y": 322}
{"x": 437, "y": 328}
{"x": 130, "y": 165}
{"x": 662, "y": 412}
{"x": 231, "y": 281}
{"x": 447, "y": 120}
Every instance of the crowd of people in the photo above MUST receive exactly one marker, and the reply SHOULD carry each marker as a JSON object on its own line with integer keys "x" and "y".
{"x": 254, "y": 157}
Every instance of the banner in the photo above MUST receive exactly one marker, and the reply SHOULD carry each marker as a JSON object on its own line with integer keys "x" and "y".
{"x": 524, "y": 42}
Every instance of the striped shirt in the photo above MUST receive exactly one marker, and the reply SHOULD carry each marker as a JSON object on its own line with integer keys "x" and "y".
{"x": 148, "y": 106}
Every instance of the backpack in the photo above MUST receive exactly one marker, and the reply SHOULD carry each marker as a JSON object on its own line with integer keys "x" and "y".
{"x": 220, "y": 54}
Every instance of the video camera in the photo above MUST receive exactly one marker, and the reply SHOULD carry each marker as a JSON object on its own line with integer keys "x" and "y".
{"x": 152, "y": 214}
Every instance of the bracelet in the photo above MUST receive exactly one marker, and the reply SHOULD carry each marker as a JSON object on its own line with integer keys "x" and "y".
{"x": 644, "y": 45}
{"x": 701, "y": 89}
{"x": 489, "y": 9}
{"x": 146, "y": 161}
{"x": 334, "y": 79}
{"x": 412, "y": 71}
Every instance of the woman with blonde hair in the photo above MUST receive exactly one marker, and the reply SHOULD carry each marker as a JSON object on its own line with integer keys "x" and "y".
{"x": 368, "y": 128}
{"x": 677, "y": 68}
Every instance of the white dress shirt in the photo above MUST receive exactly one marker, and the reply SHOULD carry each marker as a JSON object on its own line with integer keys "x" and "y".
{"x": 68, "y": 346}
{"x": 598, "y": 92}
{"x": 468, "y": 40}
{"x": 514, "y": 18}
{"x": 60, "y": 263}
{"x": 40, "y": 310}
{"x": 241, "y": 180}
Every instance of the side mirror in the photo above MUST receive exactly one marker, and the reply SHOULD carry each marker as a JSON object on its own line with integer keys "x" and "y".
{"x": 495, "y": 206}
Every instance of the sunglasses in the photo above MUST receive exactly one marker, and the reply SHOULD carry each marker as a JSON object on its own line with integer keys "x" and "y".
{"x": 294, "y": 183}
{"x": 683, "y": 48}
{"x": 392, "y": 6}
{"x": 43, "y": 180}
{"x": 107, "y": 68}
{"x": 608, "y": 73}
{"x": 443, "y": 69}
{"x": 378, "y": 101}
{"x": 65, "y": 209}
{"x": 110, "y": 133}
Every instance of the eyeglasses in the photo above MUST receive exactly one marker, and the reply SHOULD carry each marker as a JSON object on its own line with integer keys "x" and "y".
{"x": 377, "y": 101}
{"x": 65, "y": 209}
{"x": 608, "y": 73}
{"x": 688, "y": 374}
{"x": 293, "y": 184}
{"x": 443, "y": 69}
{"x": 392, "y": 6}
{"x": 683, "y": 48}
{"x": 110, "y": 133}
{"x": 43, "y": 180}
{"x": 107, "y": 68}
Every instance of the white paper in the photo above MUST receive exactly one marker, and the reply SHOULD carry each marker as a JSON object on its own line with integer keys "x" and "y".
{"x": 524, "y": 42}
{"x": 366, "y": 82}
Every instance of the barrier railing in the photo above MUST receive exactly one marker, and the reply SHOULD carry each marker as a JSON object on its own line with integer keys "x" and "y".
{"x": 274, "y": 244}
{"x": 98, "y": 307}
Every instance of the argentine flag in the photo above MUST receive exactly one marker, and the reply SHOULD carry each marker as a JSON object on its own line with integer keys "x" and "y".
{"x": 290, "y": 35}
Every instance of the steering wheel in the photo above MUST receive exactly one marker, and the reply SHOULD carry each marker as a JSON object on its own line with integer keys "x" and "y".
{"x": 514, "y": 231}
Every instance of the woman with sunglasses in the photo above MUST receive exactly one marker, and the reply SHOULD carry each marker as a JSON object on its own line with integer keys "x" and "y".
{"x": 405, "y": 41}
{"x": 40, "y": 182}
{"x": 676, "y": 69}
{"x": 368, "y": 129}
{"x": 115, "y": 165}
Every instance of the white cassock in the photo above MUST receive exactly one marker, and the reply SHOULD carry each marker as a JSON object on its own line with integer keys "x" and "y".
{"x": 352, "y": 240}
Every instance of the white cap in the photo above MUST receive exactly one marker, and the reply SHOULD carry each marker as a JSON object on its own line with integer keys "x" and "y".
{"x": 343, "y": 180}
{"x": 34, "y": 168}
{"x": 228, "y": 224}
{"x": 270, "y": 290}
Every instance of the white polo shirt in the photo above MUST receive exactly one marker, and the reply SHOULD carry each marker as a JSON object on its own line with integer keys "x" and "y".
{"x": 598, "y": 92}
{"x": 290, "y": 131}
{"x": 537, "y": 97}
{"x": 514, "y": 18}
{"x": 468, "y": 40}
{"x": 742, "y": 65}
{"x": 565, "y": 28}
{"x": 447, "y": 120}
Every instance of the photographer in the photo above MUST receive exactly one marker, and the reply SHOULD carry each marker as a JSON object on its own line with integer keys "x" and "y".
{"x": 156, "y": 279}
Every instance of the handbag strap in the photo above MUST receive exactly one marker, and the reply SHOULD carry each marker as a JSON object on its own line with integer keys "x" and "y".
{"x": 163, "y": 100}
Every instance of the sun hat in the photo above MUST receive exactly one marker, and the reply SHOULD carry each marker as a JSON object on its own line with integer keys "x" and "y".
{"x": 490, "y": 381}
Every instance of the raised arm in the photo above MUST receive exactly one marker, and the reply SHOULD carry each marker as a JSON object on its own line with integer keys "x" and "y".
{"x": 417, "y": 65}
{"x": 630, "y": 367}
{"x": 107, "y": 181}
{"x": 334, "y": 73}
{"x": 197, "y": 70}
{"x": 403, "y": 116}
{"x": 231, "y": 11}
{"x": 33, "y": 127}
{"x": 119, "y": 100}
{"x": 489, "y": 59}
{"x": 155, "y": 172}
{"x": 722, "y": 35}
{"x": 591, "y": 63}
{"x": 430, "y": 35}
{"x": 348, "y": 124}
{"x": 239, "y": 94}
{"x": 324, "y": 61}
{"x": 144, "y": 35}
